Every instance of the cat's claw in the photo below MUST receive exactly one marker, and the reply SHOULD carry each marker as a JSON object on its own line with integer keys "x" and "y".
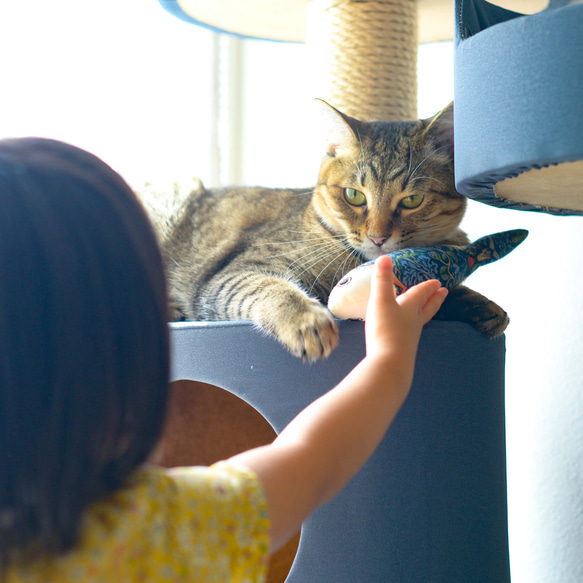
{"x": 313, "y": 336}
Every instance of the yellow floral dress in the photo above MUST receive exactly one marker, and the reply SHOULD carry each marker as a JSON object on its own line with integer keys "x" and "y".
{"x": 185, "y": 524}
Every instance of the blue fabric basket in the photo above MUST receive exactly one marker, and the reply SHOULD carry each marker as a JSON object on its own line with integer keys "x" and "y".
{"x": 518, "y": 99}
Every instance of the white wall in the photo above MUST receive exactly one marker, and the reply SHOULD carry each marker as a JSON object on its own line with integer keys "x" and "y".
{"x": 121, "y": 78}
{"x": 540, "y": 286}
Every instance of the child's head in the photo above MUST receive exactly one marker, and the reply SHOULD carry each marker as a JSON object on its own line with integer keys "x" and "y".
{"x": 83, "y": 338}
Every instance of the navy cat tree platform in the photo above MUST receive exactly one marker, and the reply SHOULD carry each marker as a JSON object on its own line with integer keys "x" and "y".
{"x": 430, "y": 506}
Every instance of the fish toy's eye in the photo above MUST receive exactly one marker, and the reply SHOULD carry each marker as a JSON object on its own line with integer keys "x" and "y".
{"x": 344, "y": 281}
{"x": 413, "y": 201}
{"x": 354, "y": 197}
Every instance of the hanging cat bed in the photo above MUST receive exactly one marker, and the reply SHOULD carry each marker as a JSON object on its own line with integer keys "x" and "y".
{"x": 518, "y": 119}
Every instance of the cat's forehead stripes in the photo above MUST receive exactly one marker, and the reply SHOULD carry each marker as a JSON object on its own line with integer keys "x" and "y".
{"x": 361, "y": 175}
{"x": 388, "y": 152}
{"x": 377, "y": 173}
{"x": 396, "y": 172}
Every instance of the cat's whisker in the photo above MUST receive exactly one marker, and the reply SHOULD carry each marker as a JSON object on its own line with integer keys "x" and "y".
{"x": 429, "y": 178}
{"x": 308, "y": 251}
{"x": 354, "y": 255}
{"x": 341, "y": 268}
{"x": 319, "y": 253}
{"x": 334, "y": 258}
{"x": 319, "y": 237}
{"x": 295, "y": 250}
{"x": 326, "y": 236}
{"x": 335, "y": 239}
{"x": 312, "y": 231}
{"x": 433, "y": 153}
{"x": 429, "y": 233}
{"x": 312, "y": 265}
{"x": 296, "y": 241}
{"x": 334, "y": 252}
{"x": 328, "y": 251}
{"x": 360, "y": 142}
{"x": 313, "y": 250}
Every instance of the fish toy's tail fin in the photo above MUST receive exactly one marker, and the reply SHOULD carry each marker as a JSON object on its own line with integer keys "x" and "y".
{"x": 493, "y": 247}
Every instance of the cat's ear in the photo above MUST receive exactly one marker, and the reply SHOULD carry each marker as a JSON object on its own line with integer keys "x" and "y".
{"x": 440, "y": 129}
{"x": 340, "y": 131}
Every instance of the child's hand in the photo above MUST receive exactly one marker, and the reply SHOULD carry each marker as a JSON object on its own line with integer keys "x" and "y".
{"x": 394, "y": 324}
{"x": 329, "y": 441}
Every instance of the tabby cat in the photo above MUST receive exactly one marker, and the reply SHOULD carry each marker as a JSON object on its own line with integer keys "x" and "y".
{"x": 273, "y": 255}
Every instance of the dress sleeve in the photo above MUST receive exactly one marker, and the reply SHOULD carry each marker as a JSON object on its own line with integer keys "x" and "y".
{"x": 224, "y": 508}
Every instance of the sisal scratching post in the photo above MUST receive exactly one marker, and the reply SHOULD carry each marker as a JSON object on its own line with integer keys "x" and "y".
{"x": 363, "y": 56}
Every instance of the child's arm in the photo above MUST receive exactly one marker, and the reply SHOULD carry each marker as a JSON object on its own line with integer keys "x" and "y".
{"x": 329, "y": 441}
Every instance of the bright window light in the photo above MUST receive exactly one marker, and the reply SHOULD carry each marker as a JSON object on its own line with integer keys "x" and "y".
{"x": 160, "y": 99}
{"x": 121, "y": 78}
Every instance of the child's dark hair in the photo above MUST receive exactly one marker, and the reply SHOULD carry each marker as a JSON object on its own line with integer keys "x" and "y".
{"x": 83, "y": 339}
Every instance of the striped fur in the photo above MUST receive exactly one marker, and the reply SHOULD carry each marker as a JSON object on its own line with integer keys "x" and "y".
{"x": 273, "y": 255}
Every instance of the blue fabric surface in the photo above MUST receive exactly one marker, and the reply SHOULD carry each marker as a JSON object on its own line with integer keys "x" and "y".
{"x": 518, "y": 95}
{"x": 174, "y": 8}
{"x": 430, "y": 505}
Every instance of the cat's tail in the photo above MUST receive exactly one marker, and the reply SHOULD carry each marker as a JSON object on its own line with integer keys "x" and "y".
{"x": 168, "y": 204}
{"x": 493, "y": 247}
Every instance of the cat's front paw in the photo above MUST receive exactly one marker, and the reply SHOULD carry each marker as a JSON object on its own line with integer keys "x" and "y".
{"x": 490, "y": 319}
{"x": 466, "y": 305}
{"x": 310, "y": 334}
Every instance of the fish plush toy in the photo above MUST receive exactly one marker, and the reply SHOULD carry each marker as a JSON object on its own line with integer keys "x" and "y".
{"x": 450, "y": 264}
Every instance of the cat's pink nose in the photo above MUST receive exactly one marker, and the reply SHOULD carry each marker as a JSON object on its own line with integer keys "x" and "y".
{"x": 378, "y": 240}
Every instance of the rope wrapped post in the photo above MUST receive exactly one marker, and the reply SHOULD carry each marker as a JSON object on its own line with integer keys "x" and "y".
{"x": 363, "y": 56}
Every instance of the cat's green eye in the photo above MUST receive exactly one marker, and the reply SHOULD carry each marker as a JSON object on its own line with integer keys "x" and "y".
{"x": 354, "y": 197}
{"x": 412, "y": 202}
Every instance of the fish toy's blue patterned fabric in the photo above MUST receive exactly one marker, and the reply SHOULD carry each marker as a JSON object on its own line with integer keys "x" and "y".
{"x": 450, "y": 264}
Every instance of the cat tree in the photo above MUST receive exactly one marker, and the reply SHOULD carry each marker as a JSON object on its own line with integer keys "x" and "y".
{"x": 431, "y": 503}
{"x": 508, "y": 73}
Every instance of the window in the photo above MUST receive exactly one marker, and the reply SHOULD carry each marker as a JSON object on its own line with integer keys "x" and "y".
{"x": 122, "y": 79}
{"x": 159, "y": 99}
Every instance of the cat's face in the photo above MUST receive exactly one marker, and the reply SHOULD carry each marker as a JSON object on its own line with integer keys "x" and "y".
{"x": 389, "y": 185}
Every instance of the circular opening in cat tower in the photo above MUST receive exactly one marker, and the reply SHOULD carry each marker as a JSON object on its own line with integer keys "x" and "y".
{"x": 206, "y": 424}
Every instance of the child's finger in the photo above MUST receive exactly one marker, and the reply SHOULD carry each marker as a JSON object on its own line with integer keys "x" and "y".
{"x": 384, "y": 267}
{"x": 433, "y": 304}
{"x": 382, "y": 279}
{"x": 426, "y": 297}
{"x": 382, "y": 291}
